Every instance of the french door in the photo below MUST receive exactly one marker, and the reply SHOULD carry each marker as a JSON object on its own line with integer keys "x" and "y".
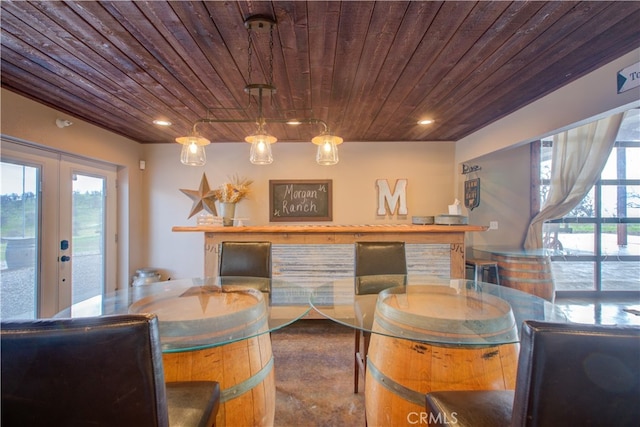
{"x": 58, "y": 231}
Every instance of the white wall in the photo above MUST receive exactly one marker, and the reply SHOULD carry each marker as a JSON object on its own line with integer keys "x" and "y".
{"x": 427, "y": 166}
{"x": 505, "y": 180}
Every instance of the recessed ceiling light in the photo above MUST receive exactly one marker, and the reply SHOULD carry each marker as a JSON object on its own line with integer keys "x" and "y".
{"x": 425, "y": 122}
{"x": 161, "y": 122}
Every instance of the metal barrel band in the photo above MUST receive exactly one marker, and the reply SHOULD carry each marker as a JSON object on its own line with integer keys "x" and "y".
{"x": 394, "y": 387}
{"x": 246, "y": 385}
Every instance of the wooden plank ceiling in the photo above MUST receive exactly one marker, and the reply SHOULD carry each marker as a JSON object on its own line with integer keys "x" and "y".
{"x": 369, "y": 69}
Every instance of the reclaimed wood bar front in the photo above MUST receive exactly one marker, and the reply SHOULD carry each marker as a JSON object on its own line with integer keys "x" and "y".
{"x": 454, "y": 235}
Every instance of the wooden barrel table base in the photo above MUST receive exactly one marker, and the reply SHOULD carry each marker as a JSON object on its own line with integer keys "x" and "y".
{"x": 528, "y": 274}
{"x": 401, "y": 371}
{"x": 202, "y": 316}
{"x": 244, "y": 370}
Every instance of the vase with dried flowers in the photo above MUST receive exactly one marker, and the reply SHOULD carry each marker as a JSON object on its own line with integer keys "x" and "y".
{"x": 230, "y": 193}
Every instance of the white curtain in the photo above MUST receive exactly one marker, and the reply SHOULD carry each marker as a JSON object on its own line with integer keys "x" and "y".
{"x": 578, "y": 157}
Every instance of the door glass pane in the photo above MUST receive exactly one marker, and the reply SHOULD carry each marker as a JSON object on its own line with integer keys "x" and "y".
{"x": 586, "y": 208}
{"x": 620, "y": 201}
{"x": 87, "y": 249}
{"x": 632, "y": 169}
{"x": 620, "y": 276}
{"x": 573, "y": 276}
{"x": 570, "y": 238}
{"x": 19, "y": 232}
{"x": 623, "y": 163}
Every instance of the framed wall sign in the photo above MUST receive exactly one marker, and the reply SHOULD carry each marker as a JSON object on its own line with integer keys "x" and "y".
{"x": 472, "y": 193}
{"x": 300, "y": 200}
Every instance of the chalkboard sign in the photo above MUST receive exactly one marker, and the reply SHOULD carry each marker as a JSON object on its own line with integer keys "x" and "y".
{"x": 300, "y": 200}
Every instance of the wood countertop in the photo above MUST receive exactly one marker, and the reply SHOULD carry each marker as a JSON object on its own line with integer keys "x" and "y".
{"x": 386, "y": 228}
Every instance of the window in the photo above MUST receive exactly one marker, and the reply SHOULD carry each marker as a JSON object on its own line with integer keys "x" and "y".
{"x": 597, "y": 244}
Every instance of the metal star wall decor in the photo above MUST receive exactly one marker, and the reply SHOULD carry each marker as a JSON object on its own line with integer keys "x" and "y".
{"x": 204, "y": 198}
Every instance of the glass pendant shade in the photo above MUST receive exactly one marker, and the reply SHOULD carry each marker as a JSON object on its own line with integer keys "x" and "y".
{"x": 193, "y": 153}
{"x": 261, "y": 148}
{"x": 327, "y": 153}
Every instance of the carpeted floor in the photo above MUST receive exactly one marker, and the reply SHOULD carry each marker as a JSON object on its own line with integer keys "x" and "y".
{"x": 314, "y": 376}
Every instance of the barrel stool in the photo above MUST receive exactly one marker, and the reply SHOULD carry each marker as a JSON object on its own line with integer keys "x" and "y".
{"x": 480, "y": 266}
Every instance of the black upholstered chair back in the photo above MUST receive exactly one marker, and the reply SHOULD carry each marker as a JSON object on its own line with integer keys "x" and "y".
{"x": 568, "y": 375}
{"x": 572, "y": 374}
{"x": 245, "y": 259}
{"x": 385, "y": 260}
{"x": 97, "y": 371}
{"x": 378, "y": 266}
{"x": 79, "y": 372}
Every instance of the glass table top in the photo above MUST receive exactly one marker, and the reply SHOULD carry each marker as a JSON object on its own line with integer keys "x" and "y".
{"x": 195, "y": 314}
{"x": 435, "y": 310}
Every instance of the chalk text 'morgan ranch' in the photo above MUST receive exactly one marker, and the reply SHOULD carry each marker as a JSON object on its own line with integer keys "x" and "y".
{"x": 291, "y": 194}
{"x": 297, "y": 201}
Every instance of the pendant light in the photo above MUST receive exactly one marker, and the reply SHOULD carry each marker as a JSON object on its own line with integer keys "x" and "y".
{"x": 193, "y": 152}
{"x": 261, "y": 146}
{"x": 327, "y": 153}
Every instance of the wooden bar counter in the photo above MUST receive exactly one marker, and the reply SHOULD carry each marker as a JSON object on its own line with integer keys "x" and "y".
{"x": 454, "y": 235}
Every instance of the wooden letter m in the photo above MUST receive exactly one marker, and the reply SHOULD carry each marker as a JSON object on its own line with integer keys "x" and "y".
{"x": 397, "y": 199}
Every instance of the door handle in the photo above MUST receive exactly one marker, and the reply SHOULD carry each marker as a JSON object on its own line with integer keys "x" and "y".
{"x": 65, "y": 258}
